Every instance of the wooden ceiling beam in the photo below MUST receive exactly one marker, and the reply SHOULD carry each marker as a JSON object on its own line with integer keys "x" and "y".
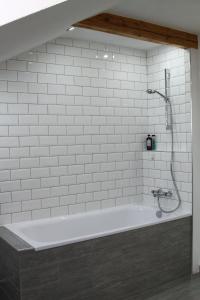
{"x": 137, "y": 29}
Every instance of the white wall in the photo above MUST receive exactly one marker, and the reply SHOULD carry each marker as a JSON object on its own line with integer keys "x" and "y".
{"x": 12, "y": 10}
{"x": 46, "y": 24}
{"x": 195, "y": 76}
{"x": 156, "y": 166}
{"x": 73, "y": 125}
{"x": 71, "y": 129}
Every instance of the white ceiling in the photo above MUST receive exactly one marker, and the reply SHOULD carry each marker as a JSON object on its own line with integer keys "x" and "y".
{"x": 12, "y": 10}
{"x": 37, "y": 28}
{"x": 107, "y": 38}
{"x": 33, "y": 30}
{"x": 180, "y": 14}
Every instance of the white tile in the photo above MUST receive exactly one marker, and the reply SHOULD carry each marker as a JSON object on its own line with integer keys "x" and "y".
{"x": 9, "y": 164}
{"x": 36, "y": 67}
{"x": 48, "y": 161}
{"x": 27, "y": 76}
{"x": 8, "y": 75}
{"x": 64, "y": 60}
{"x": 67, "y": 180}
{"x": 21, "y": 217}
{"x": 40, "y": 193}
{"x": 18, "y": 130}
{"x": 21, "y": 195}
{"x": 16, "y": 86}
{"x": 56, "y": 89}
{"x": 66, "y": 200}
{"x": 30, "y": 184}
{"x": 73, "y": 126}
{"x": 59, "y": 211}
{"x": 16, "y": 65}
{"x": 89, "y": 72}
{"x": 20, "y": 174}
{"x": 5, "y": 219}
{"x": 37, "y": 88}
{"x": 76, "y": 208}
{"x": 29, "y": 162}
{"x": 55, "y": 69}
{"x": 49, "y": 181}
{"x": 46, "y": 57}
{"x": 29, "y": 141}
{"x": 10, "y": 207}
{"x": 50, "y": 202}
{"x": 93, "y": 205}
{"x": 46, "y": 78}
{"x": 53, "y": 48}
{"x": 41, "y": 213}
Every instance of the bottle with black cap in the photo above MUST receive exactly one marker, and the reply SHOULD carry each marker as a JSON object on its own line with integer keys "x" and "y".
{"x": 149, "y": 143}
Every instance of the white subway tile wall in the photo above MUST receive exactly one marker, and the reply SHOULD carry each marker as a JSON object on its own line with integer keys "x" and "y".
{"x": 69, "y": 129}
{"x": 73, "y": 124}
{"x": 156, "y": 166}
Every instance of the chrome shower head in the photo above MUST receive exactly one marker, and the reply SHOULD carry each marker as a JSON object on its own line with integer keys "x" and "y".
{"x": 149, "y": 91}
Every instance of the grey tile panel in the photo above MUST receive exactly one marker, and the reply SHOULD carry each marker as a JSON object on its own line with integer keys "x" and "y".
{"x": 41, "y": 275}
{"x": 13, "y": 240}
{"x": 9, "y": 271}
{"x": 127, "y": 266}
{"x": 46, "y": 292}
{"x": 187, "y": 290}
{"x": 3, "y": 295}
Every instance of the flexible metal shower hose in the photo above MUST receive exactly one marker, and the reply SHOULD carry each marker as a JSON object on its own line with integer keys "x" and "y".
{"x": 171, "y": 167}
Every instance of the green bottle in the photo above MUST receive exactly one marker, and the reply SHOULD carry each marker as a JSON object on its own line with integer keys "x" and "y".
{"x": 153, "y": 142}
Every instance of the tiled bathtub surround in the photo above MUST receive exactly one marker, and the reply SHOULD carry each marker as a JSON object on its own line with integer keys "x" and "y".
{"x": 72, "y": 127}
{"x": 156, "y": 166}
{"x": 71, "y": 124}
{"x": 97, "y": 268}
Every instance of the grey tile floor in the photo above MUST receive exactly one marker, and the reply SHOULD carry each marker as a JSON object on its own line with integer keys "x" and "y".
{"x": 189, "y": 290}
{"x": 3, "y": 296}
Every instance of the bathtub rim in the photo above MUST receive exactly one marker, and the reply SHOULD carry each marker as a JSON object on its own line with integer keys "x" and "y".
{"x": 38, "y": 246}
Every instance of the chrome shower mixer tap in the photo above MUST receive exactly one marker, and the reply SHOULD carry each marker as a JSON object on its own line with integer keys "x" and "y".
{"x": 159, "y": 193}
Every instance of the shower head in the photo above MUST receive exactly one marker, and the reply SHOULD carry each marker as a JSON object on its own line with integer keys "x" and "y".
{"x": 149, "y": 91}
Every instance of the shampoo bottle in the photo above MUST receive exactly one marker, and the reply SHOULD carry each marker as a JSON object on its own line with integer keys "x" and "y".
{"x": 153, "y": 142}
{"x": 149, "y": 142}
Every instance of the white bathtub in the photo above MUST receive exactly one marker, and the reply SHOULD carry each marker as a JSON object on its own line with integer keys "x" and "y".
{"x": 53, "y": 232}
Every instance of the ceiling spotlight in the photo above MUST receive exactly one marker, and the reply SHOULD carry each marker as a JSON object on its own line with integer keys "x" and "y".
{"x": 105, "y": 56}
{"x": 71, "y": 28}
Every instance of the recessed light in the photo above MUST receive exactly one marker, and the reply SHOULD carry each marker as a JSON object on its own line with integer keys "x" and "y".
{"x": 71, "y": 28}
{"x": 105, "y": 56}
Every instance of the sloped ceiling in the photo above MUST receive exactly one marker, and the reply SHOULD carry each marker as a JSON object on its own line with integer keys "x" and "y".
{"x": 179, "y": 14}
{"x": 107, "y": 38}
{"x": 12, "y": 10}
{"x": 37, "y": 28}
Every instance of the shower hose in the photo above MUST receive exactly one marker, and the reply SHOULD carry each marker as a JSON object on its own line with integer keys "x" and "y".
{"x": 171, "y": 167}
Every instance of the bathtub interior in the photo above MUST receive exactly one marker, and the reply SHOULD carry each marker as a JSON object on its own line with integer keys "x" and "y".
{"x": 47, "y": 233}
